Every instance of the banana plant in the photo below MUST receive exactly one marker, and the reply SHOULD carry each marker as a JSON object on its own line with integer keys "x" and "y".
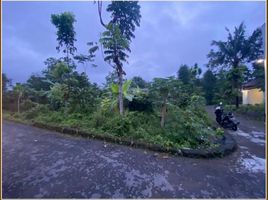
{"x": 126, "y": 86}
{"x": 113, "y": 102}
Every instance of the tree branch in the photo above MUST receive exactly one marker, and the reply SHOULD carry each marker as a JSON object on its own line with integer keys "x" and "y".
{"x": 99, "y": 11}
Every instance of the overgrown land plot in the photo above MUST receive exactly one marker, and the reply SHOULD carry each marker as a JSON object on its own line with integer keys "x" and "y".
{"x": 167, "y": 112}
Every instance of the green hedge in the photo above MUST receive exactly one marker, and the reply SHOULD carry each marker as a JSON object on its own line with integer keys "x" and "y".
{"x": 256, "y": 111}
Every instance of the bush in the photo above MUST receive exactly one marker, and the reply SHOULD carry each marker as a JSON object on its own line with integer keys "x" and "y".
{"x": 140, "y": 104}
{"x": 56, "y": 117}
{"x": 27, "y": 105}
{"x": 198, "y": 101}
{"x": 229, "y": 108}
{"x": 197, "y": 109}
{"x": 98, "y": 119}
{"x": 219, "y": 131}
{"x": 184, "y": 127}
{"x": 187, "y": 128}
{"x": 118, "y": 125}
{"x": 34, "y": 112}
{"x": 256, "y": 111}
{"x": 73, "y": 123}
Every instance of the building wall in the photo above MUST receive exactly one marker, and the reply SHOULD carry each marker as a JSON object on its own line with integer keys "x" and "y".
{"x": 253, "y": 96}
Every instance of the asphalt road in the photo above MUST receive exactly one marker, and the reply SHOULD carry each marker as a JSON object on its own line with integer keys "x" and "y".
{"x": 45, "y": 164}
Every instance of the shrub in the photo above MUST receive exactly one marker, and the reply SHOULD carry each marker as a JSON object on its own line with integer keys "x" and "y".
{"x": 219, "y": 132}
{"x": 229, "y": 108}
{"x": 73, "y": 123}
{"x": 106, "y": 104}
{"x": 256, "y": 111}
{"x": 184, "y": 127}
{"x": 187, "y": 128}
{"x": 27, "y": 105}
{"x": 34, "y": 112}
{"x": 118, "y": 125}
{"x": 198, "y": 101}
{"x": 140, "y": 104}
{"x": 98, "y": 119}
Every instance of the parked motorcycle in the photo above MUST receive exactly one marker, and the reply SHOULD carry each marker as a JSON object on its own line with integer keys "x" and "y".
{"x": 226, "y": 120}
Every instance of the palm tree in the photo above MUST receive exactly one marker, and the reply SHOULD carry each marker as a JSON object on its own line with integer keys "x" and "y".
{"x": 236, "y": 51}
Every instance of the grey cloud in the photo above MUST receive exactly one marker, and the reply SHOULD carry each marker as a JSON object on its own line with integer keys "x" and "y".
{"x": 171, "y": 34}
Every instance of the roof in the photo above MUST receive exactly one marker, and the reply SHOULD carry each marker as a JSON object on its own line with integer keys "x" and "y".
{"x": 252, "y": 84}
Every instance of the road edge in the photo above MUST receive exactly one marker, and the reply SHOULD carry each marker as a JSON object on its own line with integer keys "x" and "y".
{"x": 226, "y": 146}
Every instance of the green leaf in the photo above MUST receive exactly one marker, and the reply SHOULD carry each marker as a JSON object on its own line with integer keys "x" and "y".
{"x": 129, "y": 96}
{"x": 114, "y": 104}
{"x": 115, "y": 88}
{"x": 126, "y": 86}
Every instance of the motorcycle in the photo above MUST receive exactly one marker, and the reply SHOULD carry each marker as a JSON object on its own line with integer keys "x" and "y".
{"x": 226, "y": 120}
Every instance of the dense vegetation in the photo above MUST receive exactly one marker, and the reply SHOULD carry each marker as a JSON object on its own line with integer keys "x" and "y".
{"x": 74, "y": 102}
{"x": 168, "y": 111}
{"x": 231, "y": 58}
{"x": 255, "y": 112}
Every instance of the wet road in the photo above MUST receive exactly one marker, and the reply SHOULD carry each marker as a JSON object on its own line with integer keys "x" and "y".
{"x": 45, "y": 164}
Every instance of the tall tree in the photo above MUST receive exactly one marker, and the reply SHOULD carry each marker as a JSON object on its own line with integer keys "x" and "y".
{"x": 209, "y": 83}
{"x": 138, "y": 81}
{"x": 195, "y": 78}
{"x": 37, "y": 88}
{"x": 184, "y": 74}
{"x": 19, "y": 91}
{"x": 236, "y": 51}
{"x": 6, "y": 93}
{"x": 195, "y": 72}
{"x": 38, "y": 83}
{"x": 164, "y": 91}
{"x": 64, "y": 23}
{"x": 6, "y": 82}
{"x": 125, "y": 16}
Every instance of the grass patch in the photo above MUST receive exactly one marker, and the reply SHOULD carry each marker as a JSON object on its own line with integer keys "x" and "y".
{"x": 189, "y": 127}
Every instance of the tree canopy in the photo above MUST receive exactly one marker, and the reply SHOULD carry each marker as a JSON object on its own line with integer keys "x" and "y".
{"x": 209, "y": 86}
{"x": 64, "y": 23}
{"x": 236, "y": 51}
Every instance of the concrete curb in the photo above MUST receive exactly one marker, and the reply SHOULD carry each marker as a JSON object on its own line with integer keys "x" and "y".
{"x": 226, "y": 145}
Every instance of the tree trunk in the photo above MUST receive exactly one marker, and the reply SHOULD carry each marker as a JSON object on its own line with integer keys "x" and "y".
{"x": 163, "y": 113}
{"x": 237, "y": 101}
{"x": 236, "y": 93}
{"x": 120, "y": 96}
{"x": 120, "y": 73}
{"x": 235, "y": 65}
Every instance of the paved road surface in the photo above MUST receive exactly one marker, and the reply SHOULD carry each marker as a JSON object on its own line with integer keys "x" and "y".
{"x": 45, "y": 164}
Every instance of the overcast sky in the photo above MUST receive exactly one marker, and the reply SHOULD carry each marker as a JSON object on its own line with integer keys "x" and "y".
{"x": 170, "y": 34}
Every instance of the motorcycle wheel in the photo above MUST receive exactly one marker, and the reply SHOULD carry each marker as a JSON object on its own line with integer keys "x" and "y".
{"x": 234, "y": 128}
